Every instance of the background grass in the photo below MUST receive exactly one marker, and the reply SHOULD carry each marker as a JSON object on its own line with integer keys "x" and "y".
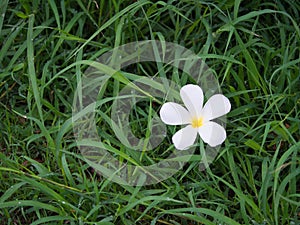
{"x": 253, "y": 48}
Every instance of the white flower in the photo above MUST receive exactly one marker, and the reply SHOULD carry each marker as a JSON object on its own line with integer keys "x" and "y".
{"x": 197, "y": 118}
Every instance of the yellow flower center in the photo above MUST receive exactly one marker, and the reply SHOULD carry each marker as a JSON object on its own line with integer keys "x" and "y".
{"x": 197, "y": 122}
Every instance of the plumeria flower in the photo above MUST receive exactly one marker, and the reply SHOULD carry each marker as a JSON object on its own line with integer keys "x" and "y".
{"x": 196, "y": 117}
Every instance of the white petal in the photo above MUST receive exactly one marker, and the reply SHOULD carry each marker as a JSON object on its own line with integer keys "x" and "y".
{"x": 174, "y": 114}
{"x": 212, "y": 133}
{"x": 192, "y": 97}
{"x": 218, "y": 105}
{"x": 184, "y": 138}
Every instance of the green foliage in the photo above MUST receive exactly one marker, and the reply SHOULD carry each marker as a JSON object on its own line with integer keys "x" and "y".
{"x": 253, "y": 48}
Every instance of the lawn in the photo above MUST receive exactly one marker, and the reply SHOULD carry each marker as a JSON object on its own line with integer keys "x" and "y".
{"x": 57, "y": 57}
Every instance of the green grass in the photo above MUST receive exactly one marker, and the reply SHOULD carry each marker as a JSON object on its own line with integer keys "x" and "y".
{"x": 253, "y": 48}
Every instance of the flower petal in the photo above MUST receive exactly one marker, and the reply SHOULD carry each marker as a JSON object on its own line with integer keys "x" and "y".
{"x": 192, "y": 97}
{"x": 174, "y": 114}
{"x": 212, "y": 133}
{"x": 216, "y": 106}
{"x": 185, "y": 137}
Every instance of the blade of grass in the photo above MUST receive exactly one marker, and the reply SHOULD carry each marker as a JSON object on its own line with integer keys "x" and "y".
{"x": 3, "y": 8}
{"x": 32, "y": 203}
{"x": 31, "y": 67}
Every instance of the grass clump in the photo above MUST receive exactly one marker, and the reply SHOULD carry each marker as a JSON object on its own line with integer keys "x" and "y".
{"x": 252, "y": 48}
